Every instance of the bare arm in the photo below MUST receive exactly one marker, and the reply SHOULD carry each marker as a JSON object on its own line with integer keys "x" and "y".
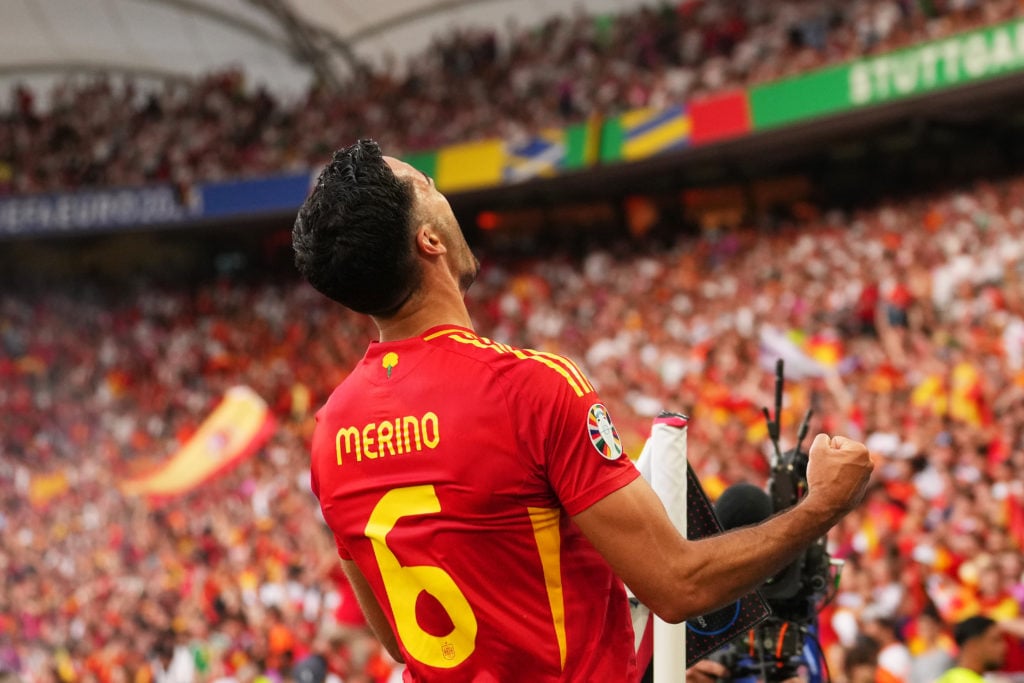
{"x": 706, "y": 671}
{"x": 1014, "y": 627}
{"x": 372, "y": 610}
{"x": 679, "y": 579}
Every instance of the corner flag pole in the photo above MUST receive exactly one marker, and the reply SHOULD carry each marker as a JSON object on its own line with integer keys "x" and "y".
{"x": 663, "y": 464}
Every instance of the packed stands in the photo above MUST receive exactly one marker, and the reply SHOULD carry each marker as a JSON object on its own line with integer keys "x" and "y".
{"x": 471, "y": 84}
{"x": 902, "y": 324}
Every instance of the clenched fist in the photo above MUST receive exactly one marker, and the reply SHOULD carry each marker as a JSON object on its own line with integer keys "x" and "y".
{"x": 837, "y": 473}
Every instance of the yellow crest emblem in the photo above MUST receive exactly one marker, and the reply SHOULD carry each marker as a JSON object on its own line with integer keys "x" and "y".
{"x": 389, "y": 362}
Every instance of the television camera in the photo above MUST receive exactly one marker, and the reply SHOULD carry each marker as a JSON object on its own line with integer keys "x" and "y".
{"x": 786, "y": 642}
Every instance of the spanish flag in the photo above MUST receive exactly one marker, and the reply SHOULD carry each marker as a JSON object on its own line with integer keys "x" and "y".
{"x": 45, "y": 487}
{"x": 235, "y": 430}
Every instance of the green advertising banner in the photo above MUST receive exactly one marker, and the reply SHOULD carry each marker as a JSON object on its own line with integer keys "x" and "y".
{"x": 796, "y": 99}
{"x": 957, "y": 60}
{"x": 423, "y": 161}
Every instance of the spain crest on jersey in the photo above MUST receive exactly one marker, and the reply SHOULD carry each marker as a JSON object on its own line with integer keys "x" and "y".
{"x": 389, "y": 361}
{"x": 602, "y": 432}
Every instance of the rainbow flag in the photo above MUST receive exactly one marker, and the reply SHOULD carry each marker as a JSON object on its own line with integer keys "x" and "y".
{"x": 235, "y": 430}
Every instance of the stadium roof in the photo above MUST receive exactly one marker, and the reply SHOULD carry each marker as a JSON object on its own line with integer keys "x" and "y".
{"x": 280, "y": 43}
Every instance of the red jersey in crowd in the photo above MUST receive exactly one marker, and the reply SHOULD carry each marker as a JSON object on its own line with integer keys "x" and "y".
{"x": 448, "y": 467}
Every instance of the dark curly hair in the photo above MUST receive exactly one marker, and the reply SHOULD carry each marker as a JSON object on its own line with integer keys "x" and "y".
{"x": 352, "y": 236}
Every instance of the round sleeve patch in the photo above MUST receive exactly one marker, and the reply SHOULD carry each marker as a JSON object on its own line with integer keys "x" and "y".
{"x": 602, "y": 432}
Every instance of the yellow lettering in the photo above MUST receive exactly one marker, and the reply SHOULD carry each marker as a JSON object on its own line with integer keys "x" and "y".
{"x": 407, "y": 434}
{"x": 349, "y": 433}
{"x": 428, "y": 420}
{"x": 368, "y": 439}
{"x": 410, "y": 420}
{"x": 384, "y": 434}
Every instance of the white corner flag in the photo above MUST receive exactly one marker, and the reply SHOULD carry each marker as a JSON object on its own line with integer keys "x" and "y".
{"x": 663, "y": 464}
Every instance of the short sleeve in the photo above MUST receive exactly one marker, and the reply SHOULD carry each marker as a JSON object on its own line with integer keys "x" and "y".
{"x": 314, "y": 485}
{"x": 573, "y": 440}
{"x": 343, "y": 551}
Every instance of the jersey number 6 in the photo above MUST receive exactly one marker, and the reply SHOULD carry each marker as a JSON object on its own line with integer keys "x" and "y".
{"x": 403, "y": 584}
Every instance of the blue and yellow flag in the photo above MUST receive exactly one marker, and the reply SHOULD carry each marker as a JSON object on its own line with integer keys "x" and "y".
{"x": 642, "y": 133}
{"x": 538, "y": 157}
{"x": 647, "y": 132}
{"x": 236, "y": 429}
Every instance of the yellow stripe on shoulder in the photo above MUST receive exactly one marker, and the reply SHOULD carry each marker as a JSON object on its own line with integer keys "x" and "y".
{"x": 569, "y": 371}
{"x": 442, "y": 333}
{"x": 572, "y": 368}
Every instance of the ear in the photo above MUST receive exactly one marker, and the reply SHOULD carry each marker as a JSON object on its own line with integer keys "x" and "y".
{"x": 429, "y": 242}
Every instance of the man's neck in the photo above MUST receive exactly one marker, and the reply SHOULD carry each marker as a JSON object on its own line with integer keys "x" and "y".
{"x": 419, "y": 315}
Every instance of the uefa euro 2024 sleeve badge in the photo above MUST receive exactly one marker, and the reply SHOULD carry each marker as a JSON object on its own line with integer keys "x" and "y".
{"x": 602, "y": 432}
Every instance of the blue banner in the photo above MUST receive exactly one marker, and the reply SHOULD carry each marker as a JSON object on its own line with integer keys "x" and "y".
{"x": 93, "y": 210}
{"x": 261, "y": 195}
{"x": 105, "y": 210}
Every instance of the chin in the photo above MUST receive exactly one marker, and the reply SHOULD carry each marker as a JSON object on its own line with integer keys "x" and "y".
{"x": 468, "y": 276}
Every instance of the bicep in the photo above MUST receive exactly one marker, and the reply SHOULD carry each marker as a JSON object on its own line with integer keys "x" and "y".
{"x": 375, "y": 616}
{"x": 631, "y": 530}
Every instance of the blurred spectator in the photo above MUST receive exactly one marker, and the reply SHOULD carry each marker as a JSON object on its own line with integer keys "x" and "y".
{"x": 893, "y": 658}
{"x": 861, "y": 661}
{"x": 982, "y": 650}
{"x": 931, "y": 649}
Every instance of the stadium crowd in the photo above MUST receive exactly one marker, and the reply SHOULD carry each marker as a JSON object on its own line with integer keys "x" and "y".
{"x": 472, "y": 83}
{"x": 901, "y": 324}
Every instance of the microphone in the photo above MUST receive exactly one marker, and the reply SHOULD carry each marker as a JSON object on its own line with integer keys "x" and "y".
{"x": 742, "y": 505}
{"x": 745, "y": 504}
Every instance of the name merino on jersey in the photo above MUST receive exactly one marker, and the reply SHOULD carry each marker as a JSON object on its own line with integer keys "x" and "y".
{"x": 402, "y": 435}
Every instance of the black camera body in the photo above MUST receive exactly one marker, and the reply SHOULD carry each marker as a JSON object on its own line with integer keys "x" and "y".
{"x": 775, "y": 649}
{"x": 794, "y": 593}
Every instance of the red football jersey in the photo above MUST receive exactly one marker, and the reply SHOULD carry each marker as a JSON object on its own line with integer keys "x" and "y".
{"x": 448, "y": 467}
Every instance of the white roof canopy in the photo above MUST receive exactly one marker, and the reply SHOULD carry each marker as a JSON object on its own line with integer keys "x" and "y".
{"x": 279, "y": 43}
